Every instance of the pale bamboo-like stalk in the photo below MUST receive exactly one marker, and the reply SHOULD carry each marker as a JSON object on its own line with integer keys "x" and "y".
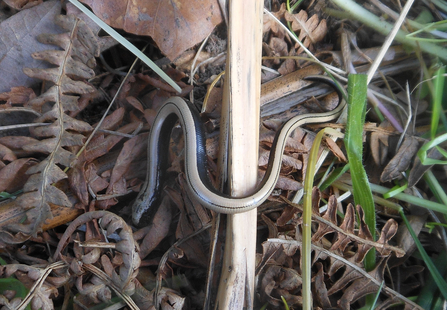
{"x": 239, "y": 149}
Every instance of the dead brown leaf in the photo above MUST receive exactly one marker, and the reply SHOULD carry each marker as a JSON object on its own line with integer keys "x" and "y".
{"x": 363, "y": 286}
{"x": 401, "y": 161}
{"x": 174, "y": 26}
{"x": 22, "y": 4}
{"x": 281, "y": 281}
{"x": 345, "y": 233}
{"x": 158, "y": 230}
{"x": 130, "y": 151}
{"x": 13, "y": 175}
{"x": 101, "y": 145}
{"x": 6, "y": 154}
{"x": 95, "y": 182}
{"x": 379, "y": 143}
{"x": 335, "y": 149}
{"x": 18, "y": 95}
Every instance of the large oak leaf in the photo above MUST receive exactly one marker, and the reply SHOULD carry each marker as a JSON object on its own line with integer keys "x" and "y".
{"x": 174, "y": 25}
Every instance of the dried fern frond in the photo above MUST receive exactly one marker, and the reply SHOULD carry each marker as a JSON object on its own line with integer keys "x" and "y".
{"x": 73, "y": 65}
{"x": 334, "y": 275}
{"x": 345, "y": 234}
{"x": 311, "y": 30}
{"x": 339, "y": 277}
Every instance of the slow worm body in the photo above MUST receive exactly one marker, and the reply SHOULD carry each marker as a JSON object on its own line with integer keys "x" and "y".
{"x": 199, "y": 186}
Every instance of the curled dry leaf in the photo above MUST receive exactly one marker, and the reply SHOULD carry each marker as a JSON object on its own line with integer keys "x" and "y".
{"x": 170, "y": 299}
{"x": 364, "y": 286}
{"x": 283, "y": 183}
{"x": 158, "y": 230}
{"x": 130, "y": 151}
{"x": 290, "y": 281}
{"x": 335, "y": 149}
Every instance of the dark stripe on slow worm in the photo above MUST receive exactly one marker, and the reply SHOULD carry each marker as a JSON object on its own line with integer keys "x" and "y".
{"x": 177, "y": 109}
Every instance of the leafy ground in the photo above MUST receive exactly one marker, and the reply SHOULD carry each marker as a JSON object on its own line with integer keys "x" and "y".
{"x": 73, "y": 136}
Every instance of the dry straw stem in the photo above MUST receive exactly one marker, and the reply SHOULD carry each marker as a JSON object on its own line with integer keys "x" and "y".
{"x": 240, "y": 124}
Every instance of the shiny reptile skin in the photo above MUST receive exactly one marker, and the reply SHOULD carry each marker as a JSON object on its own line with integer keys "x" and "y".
{"x": 199, "y": 186}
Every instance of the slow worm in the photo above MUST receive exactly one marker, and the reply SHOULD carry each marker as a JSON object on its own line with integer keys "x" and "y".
{"x": 199, "y": 186}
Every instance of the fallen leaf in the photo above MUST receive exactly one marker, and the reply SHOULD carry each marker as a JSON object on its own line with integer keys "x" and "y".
{"x": 78, "y": 182}
{"x": 401, "y": 161}
{"x": 379, "y": 143}
{"x": 363, "y": 286}
{"x": 13, "y": 175}
{"x": 130, "y": 150}
{"x": 6, "y": 154}
{"x": 322, "y": 297}
{"x": 335, "y": 149}
{"x": 18, "y": 95}
{"x": 174, "y": 25}
{"x": 22, "y": 4}
{"x": 100, "y": 146}
{"x": 279, "y": 281}
{"x": 158, "y": 230}
{"x": 95, "y": 182}
{"x": 18, "y": 41}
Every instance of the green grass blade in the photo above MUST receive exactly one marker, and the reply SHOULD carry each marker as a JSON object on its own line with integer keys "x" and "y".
{"x": 376, "y": 298}
{"x": 423, "y": 151}
{"x": 355, "y": 11}
{"x": 286, "y": 306}
{"x": 437, "y": 102}
{"x": 432, "y": 225}
{"x": 435, "y": 206}
{"x": 437, "y": 278}
{"x": 354, "y": 146}
{"x": 395, "y": 190}
{"x": 435, "y": 187}
{"x": 338, "y": 172}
